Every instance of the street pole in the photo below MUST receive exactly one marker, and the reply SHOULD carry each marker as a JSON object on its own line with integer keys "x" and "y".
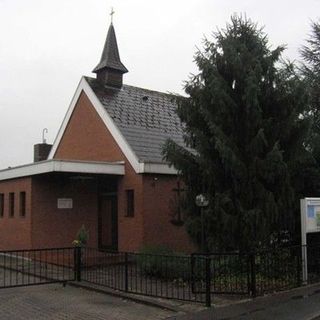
{"x": 202, "y": 230}
{"x": 202, "y": 202}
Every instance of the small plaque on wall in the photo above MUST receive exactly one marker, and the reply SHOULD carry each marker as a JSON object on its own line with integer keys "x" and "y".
{"x": 65, "y": 203}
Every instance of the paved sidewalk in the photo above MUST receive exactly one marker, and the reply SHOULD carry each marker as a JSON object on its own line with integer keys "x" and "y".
{"x": 301, "y": 304}
{"x": 56, "y": 302}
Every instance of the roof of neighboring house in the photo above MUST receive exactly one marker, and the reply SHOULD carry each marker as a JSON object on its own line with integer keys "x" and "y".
{"x": 145, "y": 118}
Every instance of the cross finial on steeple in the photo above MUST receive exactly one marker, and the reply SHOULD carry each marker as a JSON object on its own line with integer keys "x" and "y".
{"x": 111, "y": 14}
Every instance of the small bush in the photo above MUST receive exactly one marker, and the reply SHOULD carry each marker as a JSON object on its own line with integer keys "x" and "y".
{"x": 156, "y": 249}
{"x": 82, "y": 237}
{"x": 163, "y": 262}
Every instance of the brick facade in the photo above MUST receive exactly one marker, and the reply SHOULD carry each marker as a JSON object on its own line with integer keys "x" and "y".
{"x": 53, "y": 227}
{"x": 87, "y": 138}
{"x": 159, "y": 206}
{"x": 15, "y": 230}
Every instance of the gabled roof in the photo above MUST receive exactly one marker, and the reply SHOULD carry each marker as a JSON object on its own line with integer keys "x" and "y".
{"x": 110, "y": 57}
{"x": 145, "y": 118}
{"x": 139, "y": 120}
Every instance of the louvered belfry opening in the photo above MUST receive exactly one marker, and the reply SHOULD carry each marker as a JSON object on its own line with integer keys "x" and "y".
{"x": 110, "y": 69}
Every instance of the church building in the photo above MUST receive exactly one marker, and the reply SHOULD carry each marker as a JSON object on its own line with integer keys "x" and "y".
{"x": 105, "y": 170}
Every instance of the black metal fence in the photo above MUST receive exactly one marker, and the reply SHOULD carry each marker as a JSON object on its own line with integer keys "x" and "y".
{"x": 164, "y": 276}
{"x": 38, "y": 266}
{"x": 195, "y": 277}
{"x": 276, "y": 269}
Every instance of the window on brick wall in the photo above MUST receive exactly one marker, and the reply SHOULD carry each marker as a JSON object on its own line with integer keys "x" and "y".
{"x": 11, "y": 204}
{"x": 130, "y": 203}
{"x": 22, "y": 203}
{"x": 1, "y": 205}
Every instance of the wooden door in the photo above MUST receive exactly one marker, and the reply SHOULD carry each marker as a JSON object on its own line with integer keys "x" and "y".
{"x": 108, "y": 222}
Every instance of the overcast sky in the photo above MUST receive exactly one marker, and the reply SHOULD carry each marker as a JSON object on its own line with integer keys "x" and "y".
{"x": 46, "y": 46}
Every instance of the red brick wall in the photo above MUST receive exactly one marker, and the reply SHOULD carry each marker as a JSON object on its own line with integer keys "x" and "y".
{"x": 15, "y": 231}
{"x": 130, "y": 228}
{"x": 87, "y": 138}
{"x": 158, "y": 196}
{"x": 53, "y": 227}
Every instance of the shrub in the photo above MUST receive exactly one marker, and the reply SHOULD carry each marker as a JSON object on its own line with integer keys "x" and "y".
{"x": 82, "y": 237}
{"x": 163, "y": 262}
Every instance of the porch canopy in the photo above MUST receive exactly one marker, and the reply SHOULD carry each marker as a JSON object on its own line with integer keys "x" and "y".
{"x": 67, "y": 166}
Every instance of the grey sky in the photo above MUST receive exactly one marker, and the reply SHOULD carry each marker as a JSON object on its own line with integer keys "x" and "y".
{"x": 46, "y": 46}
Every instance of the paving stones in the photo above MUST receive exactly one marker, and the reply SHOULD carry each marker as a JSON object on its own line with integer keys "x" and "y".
{"x": 56, "y": 302}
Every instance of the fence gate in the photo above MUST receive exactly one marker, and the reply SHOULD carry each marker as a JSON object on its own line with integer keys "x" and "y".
{"x": 165, "y": 276}
{"x": 34, "y": 267}
{"x": 193, "y": 277}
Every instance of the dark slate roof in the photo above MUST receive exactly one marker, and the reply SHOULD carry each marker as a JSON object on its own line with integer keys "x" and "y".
{"x": 110, "y": 57}
{"x": 145, "y": 118}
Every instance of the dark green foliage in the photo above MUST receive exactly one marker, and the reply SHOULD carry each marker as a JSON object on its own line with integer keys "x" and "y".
{"x": 305, "y": 173}
{"x": 311, "y": 70}
{"x": 162, "y": 262}
{"x": 156, "y": 249}
{"x": 82, "y": 237}
{"x": 242, "y": 123}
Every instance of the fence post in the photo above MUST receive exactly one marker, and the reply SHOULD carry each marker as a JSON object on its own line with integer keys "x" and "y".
{"x": 77, "y": 263}
{"x": 299, "y": 265}
{"x": 304, "y": 262}
{"x": 192, "y": 273}
{"x": 208, "y": 281}
{"x": 253, "y": 285}
{"x": 126, "y": 271}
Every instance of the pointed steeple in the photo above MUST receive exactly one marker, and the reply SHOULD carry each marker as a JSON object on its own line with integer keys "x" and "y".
{"x": 110, "y": 68}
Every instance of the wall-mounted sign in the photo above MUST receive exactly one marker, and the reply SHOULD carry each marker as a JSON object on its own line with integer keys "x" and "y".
{"x": 65, "y": 203}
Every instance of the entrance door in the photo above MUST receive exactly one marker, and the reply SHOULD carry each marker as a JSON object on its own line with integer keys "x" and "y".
{"x": 108, "y": 222}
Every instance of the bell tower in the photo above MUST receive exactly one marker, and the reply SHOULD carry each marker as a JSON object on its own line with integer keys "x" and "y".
{"x": 110, "y": 69}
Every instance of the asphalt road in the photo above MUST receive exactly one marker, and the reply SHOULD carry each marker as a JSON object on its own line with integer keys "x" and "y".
{"x": 300, "y": 304}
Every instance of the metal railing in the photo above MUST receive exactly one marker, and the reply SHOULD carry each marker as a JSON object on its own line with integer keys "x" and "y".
{"x": 276, "y": 269}
{"x": 195, "y": 277}
{"x": 36, "y": 266}
{"x": 166, "y": 276}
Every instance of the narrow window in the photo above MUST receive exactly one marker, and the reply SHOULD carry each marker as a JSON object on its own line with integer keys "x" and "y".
{"x": 1, "y": 205}
{"x": 130, "y": 203}
{"x": 22, "y": 204}
{"x": 11, "y": 204}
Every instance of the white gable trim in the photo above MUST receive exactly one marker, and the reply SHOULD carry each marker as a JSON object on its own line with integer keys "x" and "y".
{"x": 93, "y": 167}
{"x": 139, "y": 167}
{"x": 66, "y": 120}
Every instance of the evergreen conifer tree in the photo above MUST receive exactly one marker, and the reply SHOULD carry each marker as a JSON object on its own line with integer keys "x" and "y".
{"x": 242, "y": 135}
{"x": 311, "y": 70}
